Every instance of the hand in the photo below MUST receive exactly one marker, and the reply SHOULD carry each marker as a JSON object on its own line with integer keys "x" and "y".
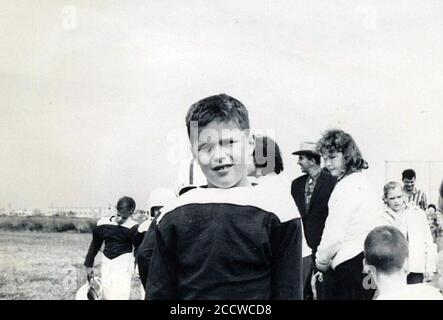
{"x": 321, "y": 267}
{"x": 429, "y": 276}
{"x": 319, "y": 276}
{"x": 89, "y": 272}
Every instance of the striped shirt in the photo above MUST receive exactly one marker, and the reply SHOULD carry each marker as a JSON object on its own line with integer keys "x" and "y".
{"x": 416, "y": 198}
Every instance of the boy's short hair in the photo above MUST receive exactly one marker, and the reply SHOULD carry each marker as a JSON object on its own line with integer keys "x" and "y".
{"x": 432, "y": 206}
{"x": 408, "y": 174}
{"x": 125, "y": 206}
{"x": 266, "y": 148}
{"x": 391, "y": 185}
{"x": 386, "y": 249}
{"x": 219, "y": 107}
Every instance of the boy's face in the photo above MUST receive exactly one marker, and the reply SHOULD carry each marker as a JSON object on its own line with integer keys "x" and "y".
{"x": 394, "y": 199}
{"x": 221, "y": 150}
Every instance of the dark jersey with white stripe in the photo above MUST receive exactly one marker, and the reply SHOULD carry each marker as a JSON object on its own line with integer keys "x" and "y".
{"x": 119, "y": 239}
{"x": 238, "y": 243}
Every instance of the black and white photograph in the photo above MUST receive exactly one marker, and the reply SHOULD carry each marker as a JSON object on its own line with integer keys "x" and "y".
{"x": 221, "y": 150}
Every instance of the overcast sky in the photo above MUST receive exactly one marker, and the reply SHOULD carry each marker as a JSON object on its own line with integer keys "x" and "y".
{"x": 93, "y": 95}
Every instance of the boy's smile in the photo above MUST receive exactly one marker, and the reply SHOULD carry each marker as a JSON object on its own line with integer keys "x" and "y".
{"x": 221, "y": 149}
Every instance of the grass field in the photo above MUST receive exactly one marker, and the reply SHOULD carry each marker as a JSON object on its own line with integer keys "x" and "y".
{"x": 49, "y": 266}
{"x": 45, "y": 266}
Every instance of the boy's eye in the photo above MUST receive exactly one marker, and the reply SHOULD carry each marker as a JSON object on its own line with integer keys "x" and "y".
{"x": 228, "y": 142}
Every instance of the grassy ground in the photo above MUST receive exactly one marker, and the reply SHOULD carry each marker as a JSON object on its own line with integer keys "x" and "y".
{"x": 45, "y": 266}
{"x": 49, "y": 266}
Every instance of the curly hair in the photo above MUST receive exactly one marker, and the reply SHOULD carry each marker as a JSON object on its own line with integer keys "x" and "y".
{"x": 336, "y": 140}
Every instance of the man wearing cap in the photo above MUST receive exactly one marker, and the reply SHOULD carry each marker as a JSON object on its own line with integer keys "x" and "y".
{"x": 311, "y": 193}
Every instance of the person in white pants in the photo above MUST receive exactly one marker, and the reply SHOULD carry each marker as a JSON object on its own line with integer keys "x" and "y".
{"x": 118, "y": 232}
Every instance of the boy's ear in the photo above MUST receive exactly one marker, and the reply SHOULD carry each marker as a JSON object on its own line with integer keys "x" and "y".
{"x": 367, "y": 268}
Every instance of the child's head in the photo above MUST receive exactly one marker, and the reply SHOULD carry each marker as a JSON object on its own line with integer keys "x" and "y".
{"x": 386, "y": 251}
{"x": 218, "y": 129}
{"x": 393, "y": 196}
{"x": 125, "y": 208}
{"x": 266, "y": 157}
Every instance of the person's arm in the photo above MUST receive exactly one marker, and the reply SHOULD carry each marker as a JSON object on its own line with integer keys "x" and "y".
{"x": 286, "y": 269}
{"x": 340, "y": 211}
{"x": 430, "y": 248}
{"x": 136, "y": 236}
{"x": 144, "y": 251}
{"x": 94, "y": 247}
{"x": 162, "y": 280}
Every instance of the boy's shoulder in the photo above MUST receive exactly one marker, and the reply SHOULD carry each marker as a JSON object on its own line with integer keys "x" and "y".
{"x": 420, "y": 291}
{"x": 104, "y": 220}
{"x": 270, "y": 196}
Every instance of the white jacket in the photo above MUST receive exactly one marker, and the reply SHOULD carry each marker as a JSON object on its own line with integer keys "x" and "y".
{"x": 281, "y": 183}
{"x": 354, "y": 211}
{"x": 422, "y": 250}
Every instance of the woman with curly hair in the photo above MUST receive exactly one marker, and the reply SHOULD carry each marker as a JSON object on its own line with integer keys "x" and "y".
{"x": 353, "y": 213}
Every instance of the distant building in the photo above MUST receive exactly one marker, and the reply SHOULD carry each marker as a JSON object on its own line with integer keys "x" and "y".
{"x": 79, "y": 212}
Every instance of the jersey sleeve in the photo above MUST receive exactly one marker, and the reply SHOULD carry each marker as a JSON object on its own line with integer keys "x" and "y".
{"x": 144, "y": 252}
{"x": 286, "y": 269}
{"x": 96, "y": 243}
{"x": 162, "y": 282}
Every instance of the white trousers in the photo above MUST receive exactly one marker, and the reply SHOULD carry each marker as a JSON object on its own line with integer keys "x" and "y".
{"x": 116, "y": 276}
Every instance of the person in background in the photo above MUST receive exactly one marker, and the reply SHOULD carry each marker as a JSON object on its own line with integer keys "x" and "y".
{"x": 266, "y": 159}
{"x": 158, "y": 198}
{"x": 266, "y": 168}
{"x": 414, "y": 226}
{"x": 440, "y": 198}
{"x": 353, "y": 212}
{"x": 311, "y": 193}
{"x": 433, "y": 221}
{"x": 414, "y": 196}
{"x": 386, "y": 260}
{"x": 118, "y": 232}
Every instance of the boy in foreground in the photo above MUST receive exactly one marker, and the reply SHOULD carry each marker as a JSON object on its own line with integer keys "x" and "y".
{"x": 386, "y": 260}
{"x": 225, "y": 241}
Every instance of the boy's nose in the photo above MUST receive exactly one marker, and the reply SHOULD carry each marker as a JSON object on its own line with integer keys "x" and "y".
{"x": 219, "y": 154}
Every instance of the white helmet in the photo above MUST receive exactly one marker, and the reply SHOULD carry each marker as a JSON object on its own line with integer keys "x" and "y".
{"x": 159, "y": 197}
{"x": 91, "y": 290}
